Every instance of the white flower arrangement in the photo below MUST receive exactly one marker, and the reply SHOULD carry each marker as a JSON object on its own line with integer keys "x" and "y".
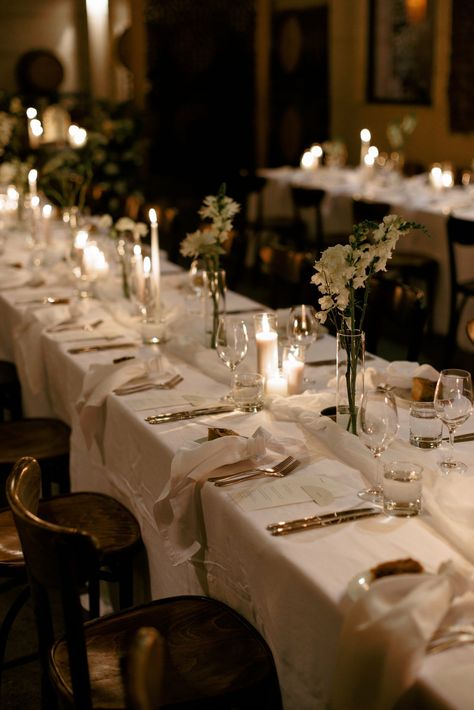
{"x": 208, "y": 243}
{"x": 343, "y": 270}
{"x": 123, "y": 225}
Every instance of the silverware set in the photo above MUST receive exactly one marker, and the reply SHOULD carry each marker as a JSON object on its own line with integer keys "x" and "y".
{"x": 145, "y": 386}
{"x": 323, "y": 363}
{"x": 280, "y": 470}
{"x": 46, "y": 301}
{"x": 68, "y": 325}
{"x": 321, "y": 521}
{"x": 450, "y": 637}
{"x": 188, "y": 414}
{"x": 96, "y": 348}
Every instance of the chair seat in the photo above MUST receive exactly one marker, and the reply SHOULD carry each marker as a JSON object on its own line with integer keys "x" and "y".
{"x": 214, "y": 658}
{"x": 114, "y": 527}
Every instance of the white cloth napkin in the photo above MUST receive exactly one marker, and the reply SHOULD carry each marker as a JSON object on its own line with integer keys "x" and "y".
{"x": 400, "y": 373}
{"x": 385, "y": 635}
{"x": 178, "y": 509}
{"x": 101, "y": 380}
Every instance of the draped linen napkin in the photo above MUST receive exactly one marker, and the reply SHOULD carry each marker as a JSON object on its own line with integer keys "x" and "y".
{"x": 178, "y": 510}
{"x": 27, "y": 341}
{"x": 101, "y": 380}
{"x": 385, "y": 634}
{"x": 400, "y": 373}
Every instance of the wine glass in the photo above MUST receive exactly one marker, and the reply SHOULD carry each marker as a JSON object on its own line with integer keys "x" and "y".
{"x": 302, "y": 328}
{"x": 232, "y": 341}
{"x": 453, "y": 402}
{"x": 302, "y": 325}
{"x": 377, "y": 427}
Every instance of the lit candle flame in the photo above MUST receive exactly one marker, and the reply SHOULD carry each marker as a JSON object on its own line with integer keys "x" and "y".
{"x": 152, "y": 216}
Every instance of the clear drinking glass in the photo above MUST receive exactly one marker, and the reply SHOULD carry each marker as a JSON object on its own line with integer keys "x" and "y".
{"x": 377, "y": 427}
{"x": 232, "y": 341}
{"x": 453, "y": 402}
{"x": 302, "y": 328}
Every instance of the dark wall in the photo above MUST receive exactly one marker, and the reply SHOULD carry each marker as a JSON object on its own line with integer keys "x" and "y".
{"x": 299, "y": 83}
{"x": 201, "y": 99}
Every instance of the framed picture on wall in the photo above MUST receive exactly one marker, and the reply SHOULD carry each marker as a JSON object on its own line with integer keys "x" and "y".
{"x": 400, "y": 45}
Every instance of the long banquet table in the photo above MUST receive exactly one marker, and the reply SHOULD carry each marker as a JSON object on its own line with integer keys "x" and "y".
{"x": 411, "y": 198}
{"x": 294, "y": 589}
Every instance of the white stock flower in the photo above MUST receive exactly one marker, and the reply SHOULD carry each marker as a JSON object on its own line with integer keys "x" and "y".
{"x": 124, "y": 224}
{"x": 196, "y": 242}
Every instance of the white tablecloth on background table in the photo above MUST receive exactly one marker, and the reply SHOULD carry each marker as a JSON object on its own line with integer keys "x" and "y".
{"x": 293, "y": 588}
{"x": 411, "y": 198}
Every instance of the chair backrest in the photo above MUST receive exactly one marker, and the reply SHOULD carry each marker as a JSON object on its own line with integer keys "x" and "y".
{"x": 460, "y": 233}
{"x": 290, "y": 274}
{"x": 304, "y": 198}
{"x": 363, "y": 210}
{"x": 144, "y": 670}
{"x": 59, "y": 562}
{"x": 396, "y": 313}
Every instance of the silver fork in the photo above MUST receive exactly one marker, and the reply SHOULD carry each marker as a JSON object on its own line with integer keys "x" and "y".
{"x": 150, "y": 386}
{"x": 60, "y": 328}
{"x": 450, "y": 640}
{"x": 256, "y": 473}
{"x": 260, "y": 469}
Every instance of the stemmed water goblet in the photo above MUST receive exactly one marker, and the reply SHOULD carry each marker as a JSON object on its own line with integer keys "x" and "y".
{"x": 231, "y": 342}
{"x": 377, "y": 427}
{"x": 453, "y": 403}
{"x": 302, "y": 328}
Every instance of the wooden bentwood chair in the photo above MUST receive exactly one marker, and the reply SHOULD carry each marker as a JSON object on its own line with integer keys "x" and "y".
{"x": 115, "y": 530}
{"x": 214, "y": 657}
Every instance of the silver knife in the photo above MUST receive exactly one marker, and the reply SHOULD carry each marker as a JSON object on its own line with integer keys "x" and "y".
{"x": 320, "y": 521}
{"x": 46, "y": 301}
{"x": 462, "y": 437}
{"x": 190, "y": 414}
{"x": 95, "y": 348}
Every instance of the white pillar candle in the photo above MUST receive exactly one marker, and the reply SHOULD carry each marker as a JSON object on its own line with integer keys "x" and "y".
{"x": 317, "y": 153}
{"x": 35, "y": 129}
{"x": 277, "y": 383}
{"x": 94, "y": 262}
{"x": 32, "y": 181}
{"x": 266, "y": 338}
{"x": 307, "y": 160}
{"x": 138, "y": 261}
{"x": 436, "y": 177}
{"x": 365, "y": 138}
{"x": 293, "y": 367}
{"x": 155, "y": 255}
{"x": 46, "y": 223}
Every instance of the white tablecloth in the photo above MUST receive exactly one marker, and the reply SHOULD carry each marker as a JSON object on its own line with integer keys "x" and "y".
{"x": 293, "y": 589}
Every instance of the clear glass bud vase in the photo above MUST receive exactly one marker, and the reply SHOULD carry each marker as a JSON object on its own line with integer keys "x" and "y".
{"x": 214, "y": 306}
{"x": 350, "y": 371}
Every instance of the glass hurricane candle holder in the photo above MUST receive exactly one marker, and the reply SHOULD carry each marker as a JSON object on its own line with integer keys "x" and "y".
{"x": 266, "y": 338}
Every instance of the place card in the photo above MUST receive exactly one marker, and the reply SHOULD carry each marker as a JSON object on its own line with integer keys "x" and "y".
{"x": 319, "y": 489}
{"x": 154, "y": 400}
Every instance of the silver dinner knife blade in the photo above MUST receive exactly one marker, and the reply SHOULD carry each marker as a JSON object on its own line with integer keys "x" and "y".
{"x": 190, "y": 414}
{"x": 95, "y": 348}
{"x": 321, "y": 521}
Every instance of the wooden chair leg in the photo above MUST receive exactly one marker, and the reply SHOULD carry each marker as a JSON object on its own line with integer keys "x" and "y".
{"x": 5, "y": 629}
